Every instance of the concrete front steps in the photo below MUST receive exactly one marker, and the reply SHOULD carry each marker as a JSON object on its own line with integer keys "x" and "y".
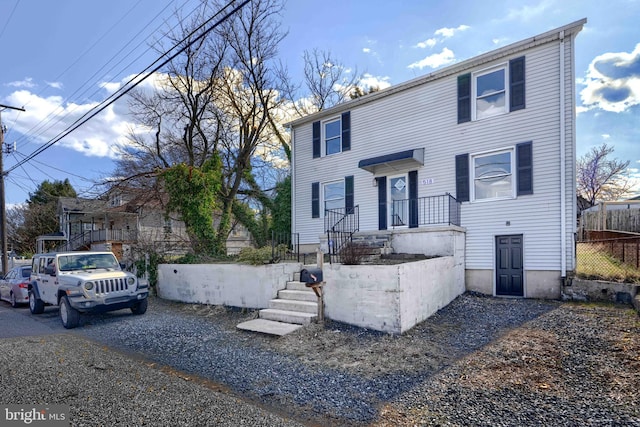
{"x": 296, "y": 306}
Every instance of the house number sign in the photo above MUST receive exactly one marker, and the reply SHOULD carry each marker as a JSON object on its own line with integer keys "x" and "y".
{"x": 428, "y": 181}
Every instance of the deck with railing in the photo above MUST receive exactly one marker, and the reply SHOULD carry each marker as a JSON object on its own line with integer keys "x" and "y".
{"x": 86, "y": 238}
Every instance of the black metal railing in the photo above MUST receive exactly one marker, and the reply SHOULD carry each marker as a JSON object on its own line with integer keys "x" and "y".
{"x": 340, "y": 224}
{"x": 432, "y": 210}
{"x": 285, "y": 246}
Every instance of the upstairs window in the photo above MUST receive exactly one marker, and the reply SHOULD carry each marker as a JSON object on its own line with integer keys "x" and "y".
{"x": 332, "y": 137}
{"x": 490, "y": 93}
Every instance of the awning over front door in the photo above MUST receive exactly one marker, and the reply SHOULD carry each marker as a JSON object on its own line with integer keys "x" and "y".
{"x": 401, "y": 160}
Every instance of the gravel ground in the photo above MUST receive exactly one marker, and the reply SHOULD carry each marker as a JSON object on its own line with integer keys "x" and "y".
{"x": 479, "y": 361}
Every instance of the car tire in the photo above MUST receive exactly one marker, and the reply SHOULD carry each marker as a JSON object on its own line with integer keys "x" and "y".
{"x": 13, "y": 301}
{"x": 35, "y": 304}
{"x": 140, "y": 307}
{"x": 70, "y": 316}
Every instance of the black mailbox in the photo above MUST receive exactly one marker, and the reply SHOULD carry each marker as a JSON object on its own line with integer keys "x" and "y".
{"x": 311, "y": 276}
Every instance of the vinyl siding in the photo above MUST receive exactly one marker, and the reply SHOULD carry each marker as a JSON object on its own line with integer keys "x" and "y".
{"x": 425, "y": 116}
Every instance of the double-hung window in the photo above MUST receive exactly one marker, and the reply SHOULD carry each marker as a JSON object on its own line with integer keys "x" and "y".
{"x": 493, "y": 176}
{"x": 333, "y": 194}
{"x": 332, "y": 137}
{"x": 490, "y": 92}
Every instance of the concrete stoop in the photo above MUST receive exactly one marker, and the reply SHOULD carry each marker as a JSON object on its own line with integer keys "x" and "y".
{"x": 295, "y": 307}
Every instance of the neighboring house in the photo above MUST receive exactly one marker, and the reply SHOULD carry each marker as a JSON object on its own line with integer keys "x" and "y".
{"x": 486, "y": 146}
{"x": 126, "y": 220}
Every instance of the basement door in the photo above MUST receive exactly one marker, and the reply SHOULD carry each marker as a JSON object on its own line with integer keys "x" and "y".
{"x": 509, "y": 271}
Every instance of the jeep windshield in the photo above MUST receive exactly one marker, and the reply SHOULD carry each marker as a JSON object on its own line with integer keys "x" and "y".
{"x": 86, "y": 262}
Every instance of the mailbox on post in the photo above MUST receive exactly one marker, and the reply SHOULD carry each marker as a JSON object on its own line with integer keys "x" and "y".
{"x": 311, "y": 276}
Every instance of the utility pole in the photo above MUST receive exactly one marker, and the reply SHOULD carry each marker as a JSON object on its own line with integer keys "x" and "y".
{"x": 3, "y": 209}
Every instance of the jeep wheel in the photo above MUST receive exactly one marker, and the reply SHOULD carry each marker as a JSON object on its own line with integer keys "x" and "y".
{"x": 141, "y": 307}
{"x": 14, "y": 303}
{"x": 35, "y": 304}
{"x": 70, "y": 316}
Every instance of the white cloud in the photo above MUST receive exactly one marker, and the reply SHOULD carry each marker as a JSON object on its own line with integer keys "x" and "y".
{"x": 605, "y": 136}
{"x": 427, "y": 43}
{"x": 26, "y": 83}
{"x": 526, "y": 13}
{"x": 55, "y": 85}
{"x": 366, "y": 50}
{"x": 436, "y": 60}
{"x": 369, "y": 81}
{"x": 47, "y": 118}
{"x": 450, "y": 32}
{"x": 612, "y": 82}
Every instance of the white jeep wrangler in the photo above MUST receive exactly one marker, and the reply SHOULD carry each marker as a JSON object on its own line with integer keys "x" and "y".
{"x": 83, "y": 282}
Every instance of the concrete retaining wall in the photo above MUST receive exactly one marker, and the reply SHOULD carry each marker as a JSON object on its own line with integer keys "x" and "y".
{"x": 391, "y": 298}
{"x": 234, "y": 285}
{"x": 599, "y": 290}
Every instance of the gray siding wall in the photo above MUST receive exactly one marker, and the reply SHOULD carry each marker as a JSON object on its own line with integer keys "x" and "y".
{"x": 425, "y": 116}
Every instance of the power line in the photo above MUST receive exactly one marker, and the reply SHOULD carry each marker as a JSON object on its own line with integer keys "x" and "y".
{"x": 40, "y": 127}
{"x": 9, "y": 18}
{"x": 133, "y": 82}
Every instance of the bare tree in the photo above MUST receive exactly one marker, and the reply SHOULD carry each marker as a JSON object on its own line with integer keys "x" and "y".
{"x": 214, "y": 100}
{"x": 600, "y": 178}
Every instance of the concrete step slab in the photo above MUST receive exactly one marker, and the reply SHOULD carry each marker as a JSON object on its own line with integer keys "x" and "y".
{"x": 291, "y": 305}
{"x": 296, "y": 317}
{"x": 268, "y": 327}
{"x": 305, "y": 295}
{"x": 296, "y": 285}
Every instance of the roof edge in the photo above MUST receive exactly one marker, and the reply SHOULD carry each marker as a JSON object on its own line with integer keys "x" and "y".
{"x": 546, "y": 37}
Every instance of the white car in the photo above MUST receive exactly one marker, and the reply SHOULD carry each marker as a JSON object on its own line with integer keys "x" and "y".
{"x": 84, "y": 282}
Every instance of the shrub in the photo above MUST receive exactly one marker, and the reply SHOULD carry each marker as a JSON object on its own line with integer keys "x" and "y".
{"x": 354, "y": 253}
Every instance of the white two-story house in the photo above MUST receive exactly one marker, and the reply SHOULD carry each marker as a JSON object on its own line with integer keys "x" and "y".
{"x": 485, "y": 146}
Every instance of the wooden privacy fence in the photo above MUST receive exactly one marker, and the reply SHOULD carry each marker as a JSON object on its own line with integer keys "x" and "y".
{"x": 621, "y": 220}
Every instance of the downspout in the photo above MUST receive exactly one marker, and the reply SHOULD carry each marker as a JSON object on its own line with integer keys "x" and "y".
{"x": 563, "y": 166}
{"x": 293, "y": 182}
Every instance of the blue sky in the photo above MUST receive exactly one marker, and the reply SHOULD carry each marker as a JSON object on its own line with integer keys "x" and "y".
{"x": 60, "y": 58}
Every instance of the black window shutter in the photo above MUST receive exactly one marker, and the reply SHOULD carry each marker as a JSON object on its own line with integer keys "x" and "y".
{"x": 462, "y": 177}
{"x": 316, "y": 139}
{"x": 346, "y": 131}
{"x": 464, "y": 98}
{"x": 413, "y": 199}
{"x": 315, "y": 200}
{"x": 382, "y": 202}
{"x": 348, "y": 194}
{"x": 524, "y": 166}
{"x": 516, "y": 82}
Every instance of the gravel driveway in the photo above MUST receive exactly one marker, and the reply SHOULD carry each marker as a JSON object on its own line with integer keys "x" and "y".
{"x": 479, "y": 361}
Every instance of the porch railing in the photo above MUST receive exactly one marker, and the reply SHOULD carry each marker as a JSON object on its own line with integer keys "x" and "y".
{"x": 340, "y": 224}
{"x": 77, "y": 241}
{"x": 431, "y": 210}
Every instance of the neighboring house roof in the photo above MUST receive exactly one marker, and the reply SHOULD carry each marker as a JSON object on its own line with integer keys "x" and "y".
{"x": 80, "y": 205}
{"x": 523, "y": 45}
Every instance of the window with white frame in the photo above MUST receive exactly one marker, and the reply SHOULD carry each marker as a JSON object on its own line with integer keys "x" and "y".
{"x": 332, "y": 136}
{"x": 490, "y": 92}
{"x": 493, "y": 176}
{"x": 333, "y": 194}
